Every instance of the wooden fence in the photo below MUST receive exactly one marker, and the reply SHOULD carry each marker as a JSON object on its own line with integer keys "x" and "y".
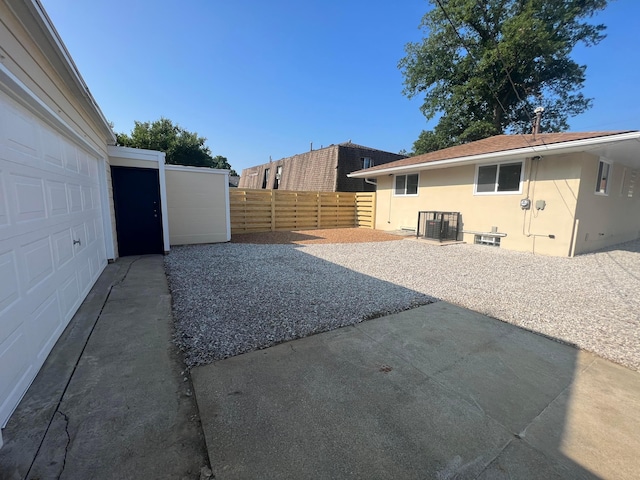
{"x": 271, "y": 210}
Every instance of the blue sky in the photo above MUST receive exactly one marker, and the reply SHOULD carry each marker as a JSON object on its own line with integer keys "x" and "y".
{"x": 261, "y": 79}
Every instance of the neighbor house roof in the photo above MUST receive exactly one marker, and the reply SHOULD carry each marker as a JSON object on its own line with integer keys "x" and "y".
{"x": 502, "y": 146}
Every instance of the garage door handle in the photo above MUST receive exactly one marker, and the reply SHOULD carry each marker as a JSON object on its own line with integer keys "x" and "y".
{"x": 77, "y": 242}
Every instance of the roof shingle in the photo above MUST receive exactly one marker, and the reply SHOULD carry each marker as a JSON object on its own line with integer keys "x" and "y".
{"x": 497, "y": 143}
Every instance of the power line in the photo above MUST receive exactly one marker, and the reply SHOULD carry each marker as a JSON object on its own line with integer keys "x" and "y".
{"x": 491, "y": 87}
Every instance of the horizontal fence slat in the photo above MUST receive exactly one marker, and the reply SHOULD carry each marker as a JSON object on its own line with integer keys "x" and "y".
{"x": 255, "y": 211}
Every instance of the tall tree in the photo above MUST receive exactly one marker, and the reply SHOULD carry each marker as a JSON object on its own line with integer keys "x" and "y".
{"x": 484, "y": 66}
{"x": 180, "y": 146}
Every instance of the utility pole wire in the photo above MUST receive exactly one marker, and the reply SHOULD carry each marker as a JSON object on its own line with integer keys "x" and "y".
{"x": 491, "y": 87}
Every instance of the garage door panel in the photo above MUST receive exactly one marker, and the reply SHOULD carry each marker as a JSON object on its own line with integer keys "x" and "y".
{"x": 75, "y": 198}
{"x": 93, "y": 169}
{"x": 91, "y": 232}
{"x": 44, "y": 325}
{"x": 69, "y": 292}
{"x": 83, "y": 163}
{"x": 79, "y": 238}
{"x": 84, "y": 274}
{"x": 87, "y": 198}
{"x": 96, "y": 266}
{"x": 8, "y": 280}
{"x": 57, "y": 196}
{"x": 15, "y": 369}
{"x": 12, "y": 320}
{"x": 62, "y": 247}
{"x": 9, "y": 287}
{"x": 70, "y": 157}
{"x": 21, "y": 136}
{"x": 38, "y": 262}
{"x": 52, "y": 149}
{"x": 28, "y": 195}
{"x": 4, "y": 214}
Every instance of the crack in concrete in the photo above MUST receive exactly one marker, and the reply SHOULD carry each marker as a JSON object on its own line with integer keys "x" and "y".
{"x": 66, "y": 447}
{"x": 495, "y": 457}
{"x": 64, "y": 391}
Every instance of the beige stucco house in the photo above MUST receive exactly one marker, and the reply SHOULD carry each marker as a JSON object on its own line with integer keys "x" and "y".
{"x": 557, "y": 194}
{"x": 58, "y": 213}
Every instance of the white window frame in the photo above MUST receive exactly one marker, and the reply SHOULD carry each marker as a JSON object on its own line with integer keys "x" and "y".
{"x": 405, "y": 194}
{"x": 608, "y": 178}
{"x": 495, "y": 188}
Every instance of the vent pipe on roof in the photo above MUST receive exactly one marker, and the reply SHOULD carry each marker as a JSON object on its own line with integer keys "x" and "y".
{"x": 536, "y": 123}
{"x": 311, "y": 147}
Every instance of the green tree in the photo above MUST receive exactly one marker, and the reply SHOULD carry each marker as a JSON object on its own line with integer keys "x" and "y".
{"x": 484, "y": 66}
{"x": 180, "y": 146}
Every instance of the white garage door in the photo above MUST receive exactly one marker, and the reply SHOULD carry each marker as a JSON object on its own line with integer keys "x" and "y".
{"x": 52, "y": 245}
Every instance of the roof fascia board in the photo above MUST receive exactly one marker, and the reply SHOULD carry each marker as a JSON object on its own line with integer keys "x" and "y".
{"x": 36, "y": 21}
{"x": 135, "y": 153}
{"x": 554, "y": 148}
{"x": 188, "y": 168}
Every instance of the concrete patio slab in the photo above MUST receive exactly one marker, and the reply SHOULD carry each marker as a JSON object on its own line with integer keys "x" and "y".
{"x": 434, "y": 392}
{"x": 601, "y": 417}
{"x": 119, "y": 407}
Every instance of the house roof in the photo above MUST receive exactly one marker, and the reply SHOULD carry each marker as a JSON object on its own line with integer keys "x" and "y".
{"x": 504, "y": 147}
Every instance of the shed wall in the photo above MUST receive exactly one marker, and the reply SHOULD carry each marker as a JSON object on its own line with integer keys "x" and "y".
{"x": 198, "y": 206}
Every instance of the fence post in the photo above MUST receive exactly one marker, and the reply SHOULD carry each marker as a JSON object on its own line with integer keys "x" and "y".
{"x": 319, "y": 202}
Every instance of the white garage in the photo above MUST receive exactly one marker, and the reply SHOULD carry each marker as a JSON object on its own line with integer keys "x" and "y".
{"x": 52, "y": 246}
{"x": 56, "y": 230}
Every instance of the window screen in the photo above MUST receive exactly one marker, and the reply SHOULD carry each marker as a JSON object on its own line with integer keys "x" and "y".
{"x": 509, "y": 177}
{"x": 501, "y": 177}
{"x": 487, "y": 178}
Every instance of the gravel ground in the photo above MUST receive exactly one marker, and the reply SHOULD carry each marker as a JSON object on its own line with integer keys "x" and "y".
{"x": 233, "y": 298}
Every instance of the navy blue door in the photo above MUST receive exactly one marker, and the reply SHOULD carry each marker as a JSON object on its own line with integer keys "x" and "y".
{"x": 136, "y": 199}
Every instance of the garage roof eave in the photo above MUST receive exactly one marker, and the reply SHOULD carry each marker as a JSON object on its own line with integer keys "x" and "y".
{"x": 555, "y": 148}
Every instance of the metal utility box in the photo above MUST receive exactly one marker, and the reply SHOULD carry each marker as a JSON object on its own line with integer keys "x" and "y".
{"x": 438, "y": 225}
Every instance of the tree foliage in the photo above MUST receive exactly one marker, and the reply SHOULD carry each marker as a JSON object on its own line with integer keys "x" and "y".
{"x": 180, "y": 146}
{"x": 503, "y": 59}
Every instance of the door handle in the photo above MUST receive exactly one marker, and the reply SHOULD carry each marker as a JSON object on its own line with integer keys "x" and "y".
{"x": 77, "y": 242}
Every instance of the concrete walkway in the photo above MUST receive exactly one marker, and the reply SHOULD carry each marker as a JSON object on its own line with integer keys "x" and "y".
{"x": 110, "y": 401}
{"x": 437, "y": 392}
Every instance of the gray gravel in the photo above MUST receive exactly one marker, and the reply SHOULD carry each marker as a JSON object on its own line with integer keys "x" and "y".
{"x": 233, "y": 298}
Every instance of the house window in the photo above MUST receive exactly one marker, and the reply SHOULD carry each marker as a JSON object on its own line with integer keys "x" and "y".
{"x": 499, "y": 178}
{"x": 276, "y": 184}
{"x": 407, "y": 184}
{"x": 367, "y": 162}
{"x": 602, "y": 182}
{"x": 266, "y": 178}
